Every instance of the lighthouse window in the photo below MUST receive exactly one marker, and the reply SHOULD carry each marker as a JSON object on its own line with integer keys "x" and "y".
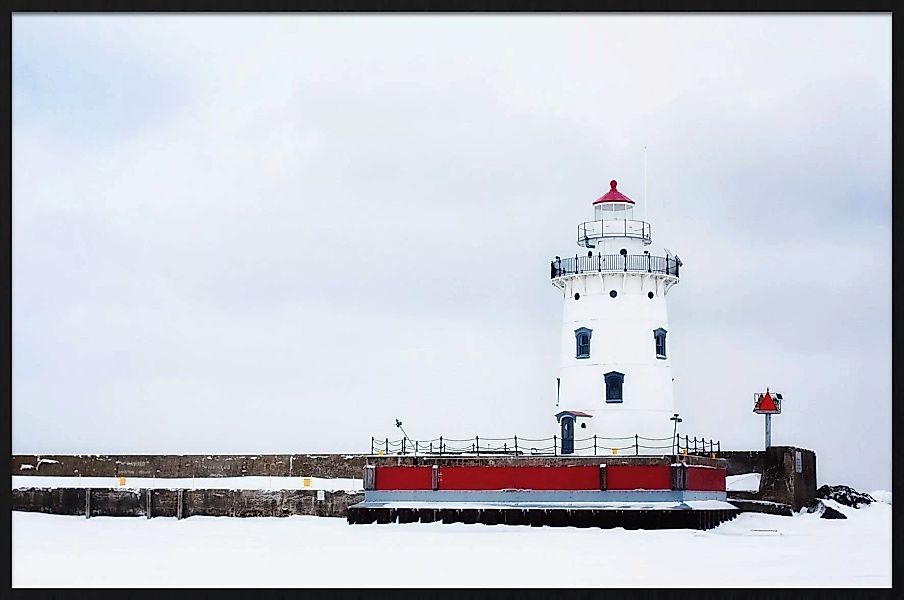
{"x": 659, "y": 336}
{"x": 582, "y": 342}
{"x": 614, "y": 381}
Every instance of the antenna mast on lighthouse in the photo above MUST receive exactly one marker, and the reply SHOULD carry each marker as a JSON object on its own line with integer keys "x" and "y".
{"x": 644, "y": 183}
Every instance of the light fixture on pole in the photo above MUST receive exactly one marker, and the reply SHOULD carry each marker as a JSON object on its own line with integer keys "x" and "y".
{"x": 399, "y": 425}
{"x": 677, "y": 420}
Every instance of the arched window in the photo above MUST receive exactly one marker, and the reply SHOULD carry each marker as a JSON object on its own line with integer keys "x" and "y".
{"x": 582, "y": 342}
{"x": 659, "y": 336}
{"x": 614, "y": 381}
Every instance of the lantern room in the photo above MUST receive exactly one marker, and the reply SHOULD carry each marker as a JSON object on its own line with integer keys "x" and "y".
{"x": 613, "y": 220}
{"x": 613, "y": 205}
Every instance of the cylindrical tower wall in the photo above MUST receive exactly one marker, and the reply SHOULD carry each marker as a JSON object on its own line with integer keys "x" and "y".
{"x": 622, "y": 341}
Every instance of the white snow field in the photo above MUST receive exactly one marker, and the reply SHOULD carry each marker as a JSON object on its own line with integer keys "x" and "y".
{"x": 753, "y": 550}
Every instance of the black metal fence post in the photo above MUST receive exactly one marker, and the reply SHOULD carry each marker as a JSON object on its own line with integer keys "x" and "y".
{"x": 440, "y": 444}
{"x": 594, "y": 444}
{"x": 403, "y": 444}
{"x": 636, "y": 445}
{"x": 554, "y": 442}
{"x": 516, "y": 445}
{"x": 386, "y": 450}
{"x": 371, "y": 444}
{"x": 415, "y": 446}
{"x": 477, "y": 444}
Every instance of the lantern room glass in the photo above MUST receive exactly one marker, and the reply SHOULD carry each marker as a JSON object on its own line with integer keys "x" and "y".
{"x": 614, "y": 211}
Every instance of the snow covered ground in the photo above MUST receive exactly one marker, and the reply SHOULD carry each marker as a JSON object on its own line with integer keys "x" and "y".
{"x": 746, "y": 482}
{"x": 191, "y": 483}
{"x": 752, "y": 551}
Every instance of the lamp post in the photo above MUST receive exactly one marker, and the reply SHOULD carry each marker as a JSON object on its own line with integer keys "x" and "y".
{"x": 399, "y": 425}
{"x": 677, "y": 420}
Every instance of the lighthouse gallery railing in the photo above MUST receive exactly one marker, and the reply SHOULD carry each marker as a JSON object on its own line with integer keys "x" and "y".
{"x": 598, "y": 263}
{"x": 629, "y": 228}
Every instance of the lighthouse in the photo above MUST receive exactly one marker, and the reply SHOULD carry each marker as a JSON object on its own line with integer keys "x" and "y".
{"x": 615, "y": 375}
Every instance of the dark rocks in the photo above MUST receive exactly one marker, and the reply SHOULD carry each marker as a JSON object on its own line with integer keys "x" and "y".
{"x": 831, "y": 513}
{"x": 825, "y": 512}
{"x": 845, "y": 495}
{"x": 760, "y": 506}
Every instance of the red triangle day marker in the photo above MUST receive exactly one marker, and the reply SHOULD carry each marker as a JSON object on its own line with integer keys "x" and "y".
{"x": 766, "y": 404}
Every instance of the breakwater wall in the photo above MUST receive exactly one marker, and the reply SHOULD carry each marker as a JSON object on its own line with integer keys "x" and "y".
{"x": 788, "y": 477}
{"x": 788, "y": 474}
{"x": 190, "y": 465}
{"x": 183, "y": 503}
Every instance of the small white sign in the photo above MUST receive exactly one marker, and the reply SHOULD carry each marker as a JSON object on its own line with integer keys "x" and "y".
{"x": 321, "y": 495}
{"x": 798, "y": 463}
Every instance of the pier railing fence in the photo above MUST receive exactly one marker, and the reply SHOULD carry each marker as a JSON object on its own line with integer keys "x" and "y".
{"x": 551, "y": 446}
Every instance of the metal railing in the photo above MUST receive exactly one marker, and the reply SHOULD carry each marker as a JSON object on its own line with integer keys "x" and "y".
{"x": 599, "y": 263}
{"x": 629, "y": 228}
{"x": 551, "y": 446}
{"x": 694, "y": 447}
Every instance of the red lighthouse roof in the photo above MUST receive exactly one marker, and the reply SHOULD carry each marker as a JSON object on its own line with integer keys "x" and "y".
{"x": 613, "y": 195}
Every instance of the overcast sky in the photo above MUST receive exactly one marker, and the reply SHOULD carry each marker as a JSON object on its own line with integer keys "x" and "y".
{"x": 250, "y": 234}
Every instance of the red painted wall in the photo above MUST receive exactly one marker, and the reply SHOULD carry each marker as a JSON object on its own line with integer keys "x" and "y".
{"x": 404, "y": 478}
{"x": 641, "y": 477}
{"x": 578, "y": 477}
{"x": 523, "y": 478}
{"x": 704, "y": 479}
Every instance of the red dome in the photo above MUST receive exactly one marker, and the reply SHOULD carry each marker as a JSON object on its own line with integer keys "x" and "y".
{"x": 613, "y": 195}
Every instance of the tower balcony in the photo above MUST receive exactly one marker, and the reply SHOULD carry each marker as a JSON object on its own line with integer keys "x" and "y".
{"x": 613, "y": 263}
{"x": 590, "y": 232}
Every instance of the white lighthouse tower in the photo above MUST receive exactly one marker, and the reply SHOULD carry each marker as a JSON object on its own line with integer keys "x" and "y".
{"x": 615, "y": 379}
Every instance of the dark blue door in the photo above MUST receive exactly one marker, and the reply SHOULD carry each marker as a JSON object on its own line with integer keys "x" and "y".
{"x": 567, "y": 435}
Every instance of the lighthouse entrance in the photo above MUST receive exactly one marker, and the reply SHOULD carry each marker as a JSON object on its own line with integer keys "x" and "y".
{"x": 567, "y": 435}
